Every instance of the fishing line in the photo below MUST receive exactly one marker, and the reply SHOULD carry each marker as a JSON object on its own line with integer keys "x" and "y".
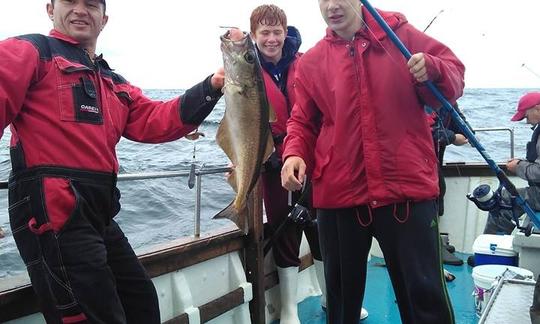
{"x": 372, "y": 33}
{"x": 191, "y": 178}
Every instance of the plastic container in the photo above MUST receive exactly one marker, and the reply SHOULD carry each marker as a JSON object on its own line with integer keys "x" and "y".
{"x": 529, "y": 251}
{"x": 485, "y": 278}
{"x": 494, "y": 249}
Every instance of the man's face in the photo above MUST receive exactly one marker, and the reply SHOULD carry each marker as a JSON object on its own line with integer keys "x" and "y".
{"x": 533, "y": 115}
{"x": 342, "y": 16}
{"x": 83, "y": 20}
{"x": 270, "y": 40}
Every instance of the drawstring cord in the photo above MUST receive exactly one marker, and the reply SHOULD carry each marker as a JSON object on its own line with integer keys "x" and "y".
{"x": 359, "y": 218}
{"x": 407, "y": 213}
{"x": 394, "y": 213}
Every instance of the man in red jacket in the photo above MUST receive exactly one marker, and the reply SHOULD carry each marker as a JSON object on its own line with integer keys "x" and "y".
{"x": 67, "y": 110}
{"x": 359, "y": 115}
{"x": 277, "y": 46}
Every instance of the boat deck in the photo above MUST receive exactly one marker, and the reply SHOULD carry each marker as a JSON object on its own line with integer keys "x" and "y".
{"x": 382, "y": 307}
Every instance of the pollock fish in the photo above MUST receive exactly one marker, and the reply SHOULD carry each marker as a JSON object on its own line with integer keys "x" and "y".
{"x": 244, "y": 132}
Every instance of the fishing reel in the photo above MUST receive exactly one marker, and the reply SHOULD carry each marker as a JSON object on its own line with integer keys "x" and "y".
{"x": 491, "y": 201}
{"x": 301, "y": 216}
{"x": 486, "y": 199}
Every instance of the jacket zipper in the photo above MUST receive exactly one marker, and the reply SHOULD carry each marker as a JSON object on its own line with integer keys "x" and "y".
{"x": 352, "y": 54}
{"x": 97, "y": 75}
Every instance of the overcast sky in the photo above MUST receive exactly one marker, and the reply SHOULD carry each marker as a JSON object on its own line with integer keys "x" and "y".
{"x": 175, "y": 43}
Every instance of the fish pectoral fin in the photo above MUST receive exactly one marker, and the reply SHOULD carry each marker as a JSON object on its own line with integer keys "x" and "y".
{"x": 271, "y": 114}
{"x": 234, "y": 88}
{"x": 231, "y": 179}
{"x": 237, "y": 217}
{"x": 269, "y": 148}
{"x": 223, "y": 140}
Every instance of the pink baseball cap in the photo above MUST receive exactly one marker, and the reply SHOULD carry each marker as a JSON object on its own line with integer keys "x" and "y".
{"x": 526, "y": 102}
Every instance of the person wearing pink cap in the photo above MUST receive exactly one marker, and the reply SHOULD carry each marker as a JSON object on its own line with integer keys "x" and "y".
{"x": 500, "y": 221}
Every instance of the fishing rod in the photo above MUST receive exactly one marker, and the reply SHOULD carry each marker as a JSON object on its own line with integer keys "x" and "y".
{"x": 503, "y": 178}
{"x": 530, "y": 70}
{"x": 299, "y": 215}
{"x": 432, "y": 20}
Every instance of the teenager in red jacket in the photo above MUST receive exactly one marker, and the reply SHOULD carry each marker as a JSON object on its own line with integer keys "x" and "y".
{"x": 67, "y": 110}
{"x": 359, "y": 115}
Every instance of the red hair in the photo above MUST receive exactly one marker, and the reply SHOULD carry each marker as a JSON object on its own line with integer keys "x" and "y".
{"x": 270, "y": 15}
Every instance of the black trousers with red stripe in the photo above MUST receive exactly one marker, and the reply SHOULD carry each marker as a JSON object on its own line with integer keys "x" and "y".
{"x": 409, "y": 238}
{"x": 87, "y": 272}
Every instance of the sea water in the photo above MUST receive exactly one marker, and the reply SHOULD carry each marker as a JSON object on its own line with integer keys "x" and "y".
{"x": 160, "y": 210}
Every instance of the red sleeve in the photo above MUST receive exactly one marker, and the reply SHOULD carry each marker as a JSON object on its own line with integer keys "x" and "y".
{"x": 19, "y": 69}
{"x": 151, "y": 121}
{"x": 443, "y": 67}
{"x": 304, "y": 124}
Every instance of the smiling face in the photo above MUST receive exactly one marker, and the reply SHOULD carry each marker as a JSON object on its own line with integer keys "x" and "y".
{"x": 344, "y": 17}
{"x": 270, "y": 40}
{"x": 268, "y": 25}
{"x": 82, "y": 20}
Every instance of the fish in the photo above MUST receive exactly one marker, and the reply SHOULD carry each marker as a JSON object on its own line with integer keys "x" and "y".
{"x": 244, "y": 132}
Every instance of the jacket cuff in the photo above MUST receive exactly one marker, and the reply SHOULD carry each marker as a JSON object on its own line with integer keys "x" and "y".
{"x": 198, "y": 102}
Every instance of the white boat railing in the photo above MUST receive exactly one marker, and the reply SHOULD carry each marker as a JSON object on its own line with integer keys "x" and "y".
{"x": 500, "y": 129}
{"x": 195, "y": 176}
{"x": 195, "y": 173}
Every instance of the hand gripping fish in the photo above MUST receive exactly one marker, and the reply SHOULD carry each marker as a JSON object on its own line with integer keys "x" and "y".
{"x": 244, "y": 132}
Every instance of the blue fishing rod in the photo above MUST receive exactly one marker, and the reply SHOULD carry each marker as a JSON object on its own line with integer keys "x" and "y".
{"x": 503, "y": 178}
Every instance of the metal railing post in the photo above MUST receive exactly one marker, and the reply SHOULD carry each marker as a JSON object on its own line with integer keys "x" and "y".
{"x": 498, "y": 129}
{"x": 198, "y": 185}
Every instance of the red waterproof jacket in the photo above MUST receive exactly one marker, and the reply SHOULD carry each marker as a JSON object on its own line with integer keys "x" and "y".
{"x": 374, "y": 145}
{"x": 38, "y": 96}
{"x": 281, "y": 105}
{"x": 68, "y": 112}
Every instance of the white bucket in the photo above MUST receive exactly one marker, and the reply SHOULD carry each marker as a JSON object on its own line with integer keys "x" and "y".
{"x": 485, "y": 278}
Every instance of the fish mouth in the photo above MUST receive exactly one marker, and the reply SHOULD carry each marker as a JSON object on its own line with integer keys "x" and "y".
{"x": 229, "y": 46}
{"x": 227, "y": 37}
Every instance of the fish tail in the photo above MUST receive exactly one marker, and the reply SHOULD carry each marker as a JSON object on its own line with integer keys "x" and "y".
{"x": 230, "y": 212}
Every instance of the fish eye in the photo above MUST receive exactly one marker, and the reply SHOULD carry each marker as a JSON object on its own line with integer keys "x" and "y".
{"x": 250, "y": 58}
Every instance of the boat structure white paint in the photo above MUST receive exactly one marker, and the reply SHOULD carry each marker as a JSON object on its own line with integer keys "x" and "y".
{"x": 206, "y": 279}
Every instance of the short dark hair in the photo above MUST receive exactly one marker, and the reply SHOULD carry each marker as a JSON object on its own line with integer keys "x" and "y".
{"x": 102, "y": 1}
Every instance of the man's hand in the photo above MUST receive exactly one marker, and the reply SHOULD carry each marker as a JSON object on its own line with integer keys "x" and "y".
{"x": 293, "y": 173}
{"x": 417, "y": 67}
{"x": 218, "y": 79}
{"x": 511, "y": 165}
{"x": 460, "y": 140}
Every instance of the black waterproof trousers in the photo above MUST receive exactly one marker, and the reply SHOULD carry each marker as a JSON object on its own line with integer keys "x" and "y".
{"x": 409, "y": 238}
{"x": 87, "y": 272}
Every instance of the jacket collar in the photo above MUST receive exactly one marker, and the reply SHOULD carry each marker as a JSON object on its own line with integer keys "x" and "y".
{"x": 56, "y": 34}
{"x": 374, "y": 31}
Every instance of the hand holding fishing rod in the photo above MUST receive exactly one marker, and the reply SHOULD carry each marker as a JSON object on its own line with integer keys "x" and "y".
{"x": 504, "y": 180}
{"x": 298, "y": 216}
